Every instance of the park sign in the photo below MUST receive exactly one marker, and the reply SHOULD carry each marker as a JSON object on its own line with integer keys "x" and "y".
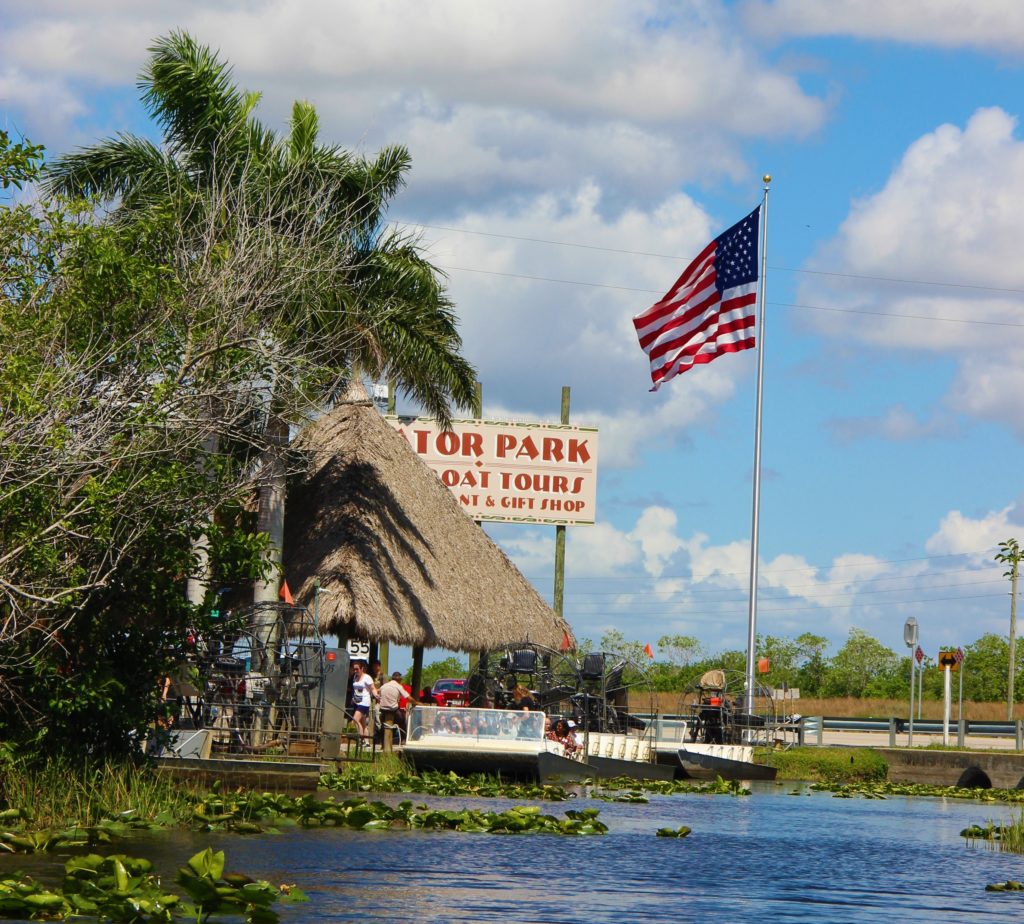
{"x": 511, "y": 472}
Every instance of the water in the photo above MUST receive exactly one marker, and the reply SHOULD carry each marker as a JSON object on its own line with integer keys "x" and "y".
{"x": 770, "y": 856}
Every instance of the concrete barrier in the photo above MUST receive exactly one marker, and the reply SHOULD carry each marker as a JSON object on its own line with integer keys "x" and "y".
{"x": 981, "y": 769}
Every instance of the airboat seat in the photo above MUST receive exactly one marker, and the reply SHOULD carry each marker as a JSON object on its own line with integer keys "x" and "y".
{"x": 713, "y": 680}
{"x": 593, "y": 666}
{"x": 629, "y": 749}
{"x": 524, "y": 661}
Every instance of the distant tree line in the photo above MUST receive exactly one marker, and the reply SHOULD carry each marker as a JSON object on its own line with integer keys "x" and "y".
{"x": 861, "y": 668}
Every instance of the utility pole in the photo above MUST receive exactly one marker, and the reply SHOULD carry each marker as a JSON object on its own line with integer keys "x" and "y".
{"x": 1010, "y": 554}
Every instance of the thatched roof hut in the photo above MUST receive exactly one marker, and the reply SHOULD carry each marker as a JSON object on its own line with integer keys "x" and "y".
{"x": 397, "y": 558}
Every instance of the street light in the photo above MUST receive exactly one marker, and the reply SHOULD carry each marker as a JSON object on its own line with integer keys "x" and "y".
{"x": 910, "y": 638}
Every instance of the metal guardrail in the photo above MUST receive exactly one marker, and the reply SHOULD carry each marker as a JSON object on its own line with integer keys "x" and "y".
{"x": 813, "y": 728}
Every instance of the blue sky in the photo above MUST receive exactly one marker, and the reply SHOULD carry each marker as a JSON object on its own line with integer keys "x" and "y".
{"x": 576, "y": 141}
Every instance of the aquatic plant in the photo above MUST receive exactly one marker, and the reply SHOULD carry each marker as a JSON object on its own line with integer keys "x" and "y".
{"x": 123, "y": 890}
{"x": 25, "y": 899}
{"x": 681, "y": 831}
{"x": 213, "y": 891}
{"x": 116, "y": 888}
{"x": 668, "y": 787}
{"x": 434, "y": 783}
{"x": 241, "y": 811}
{"x": 1009, "y": 837}
{"x": 882, "y": 788}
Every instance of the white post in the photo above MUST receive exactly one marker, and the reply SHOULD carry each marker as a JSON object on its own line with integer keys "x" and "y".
{"x": 910, "y": 735}
{"x": 947, "y": 697}
{"x": 960, "y": 704}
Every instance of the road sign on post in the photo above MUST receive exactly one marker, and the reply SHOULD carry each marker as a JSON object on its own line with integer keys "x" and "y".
{"x": 910, "y": 639}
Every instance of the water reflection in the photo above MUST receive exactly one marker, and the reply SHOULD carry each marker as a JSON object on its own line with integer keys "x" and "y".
{"x": 772, "y": 856}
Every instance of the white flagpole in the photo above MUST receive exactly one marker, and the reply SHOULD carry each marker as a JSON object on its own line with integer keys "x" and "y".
{"x": 752, "y": 618}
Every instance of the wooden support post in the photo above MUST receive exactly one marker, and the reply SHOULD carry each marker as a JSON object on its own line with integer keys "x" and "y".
{"x": 558, "y": 596}
{"x": 417, "y": 670}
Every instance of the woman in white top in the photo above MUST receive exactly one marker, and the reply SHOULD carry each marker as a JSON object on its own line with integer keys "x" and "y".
{"x": 363, "y": 691}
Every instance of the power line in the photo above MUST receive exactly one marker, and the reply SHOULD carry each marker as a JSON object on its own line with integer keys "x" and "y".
{"x": 861, "y": 311}
{"x": 866, "y": 564}
{"x": 677, "y": 258}
{"x": 641, "y": 595}
{"x": 719, "y": 613}
{"x": 647, "y": 605}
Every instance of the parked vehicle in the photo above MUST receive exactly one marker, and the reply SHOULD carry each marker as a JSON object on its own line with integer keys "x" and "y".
{"x": 450, "y": 692}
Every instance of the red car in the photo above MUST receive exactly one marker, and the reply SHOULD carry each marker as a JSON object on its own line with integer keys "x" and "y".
{"x": 450, "y": 693}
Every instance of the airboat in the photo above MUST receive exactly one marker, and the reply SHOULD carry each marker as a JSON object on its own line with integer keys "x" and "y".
{"x": 259, "y": 688}
{"x": 717, "y": 734}
{"x": 515, "y": 692}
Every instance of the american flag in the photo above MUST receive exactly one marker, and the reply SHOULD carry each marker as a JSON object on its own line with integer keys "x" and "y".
{"x": 710, "y": 309}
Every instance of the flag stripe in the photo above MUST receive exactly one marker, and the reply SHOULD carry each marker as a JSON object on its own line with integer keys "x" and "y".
{"x": 727, "y": 330}
{"x": 709, "y": 311}
{"x": 728, "y": 310}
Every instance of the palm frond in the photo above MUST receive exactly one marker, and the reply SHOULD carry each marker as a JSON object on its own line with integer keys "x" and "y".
{"x": 305, "y": 126}
{"x": 190, "y": 92}
{"x": 113, "y": 168}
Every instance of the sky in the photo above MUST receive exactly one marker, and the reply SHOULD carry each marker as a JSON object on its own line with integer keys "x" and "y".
{"x": 570, "y": 158}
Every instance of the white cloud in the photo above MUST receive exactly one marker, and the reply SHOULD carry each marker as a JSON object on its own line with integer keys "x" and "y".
{"x": 656, "y": 533}
{"x": 532, "y": 337}
{"x": 700, "y": 589}
{"x": 992, "y": 25}
{"x": 526, "y": 96}
{"x": 947, "y": 214}
{"x": 976, "y": 537}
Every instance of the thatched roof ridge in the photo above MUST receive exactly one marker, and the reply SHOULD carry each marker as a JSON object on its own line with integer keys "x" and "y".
{"x": 396, "y": 556}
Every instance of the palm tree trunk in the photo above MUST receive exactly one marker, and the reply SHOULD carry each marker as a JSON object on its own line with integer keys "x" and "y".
{"x": 199, "y": 583}
{"x": 271, "y": 511}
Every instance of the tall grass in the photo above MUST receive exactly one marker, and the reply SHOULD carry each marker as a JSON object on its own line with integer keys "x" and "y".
{"x": 1011, "y": 837}
{"x": 58, "y": 794}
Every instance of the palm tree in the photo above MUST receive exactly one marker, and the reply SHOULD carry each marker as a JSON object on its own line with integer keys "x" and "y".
{"x": 372, "y": 305}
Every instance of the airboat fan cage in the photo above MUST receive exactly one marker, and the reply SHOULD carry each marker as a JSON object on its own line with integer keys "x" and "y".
{"x": 714, "y": 707}
{"x": 256, "y": 683}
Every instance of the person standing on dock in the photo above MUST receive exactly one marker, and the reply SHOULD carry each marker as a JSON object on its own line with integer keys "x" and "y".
{"x": 363, "y": 693}
{"x": 392, "y": 713}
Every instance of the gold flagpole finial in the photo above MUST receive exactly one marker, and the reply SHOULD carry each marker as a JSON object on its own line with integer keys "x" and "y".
{"x": 767, "y": 178}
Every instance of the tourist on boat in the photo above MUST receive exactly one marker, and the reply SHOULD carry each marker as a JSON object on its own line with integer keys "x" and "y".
{"x": 575, "y": 735}
{"x": 363, "y": 694}
{"x": 529, "y": 725}
{"x": 441, "y": 724}
{"x": 522, "y": 698}
{"x": 563, "y": 736}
